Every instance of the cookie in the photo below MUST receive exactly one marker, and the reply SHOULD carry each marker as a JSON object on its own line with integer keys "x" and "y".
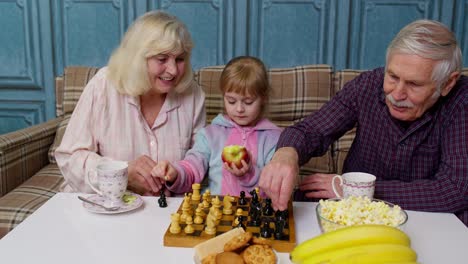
{"x": 261, "y": 241}
{"x": 229, "y": 258}
{"x": 210, "y": 259}
{"x": 259, "y": 254}
{"x": 238, "y": 242}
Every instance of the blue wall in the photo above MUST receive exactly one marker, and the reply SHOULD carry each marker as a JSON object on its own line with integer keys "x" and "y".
{"x": 39, "y": 38}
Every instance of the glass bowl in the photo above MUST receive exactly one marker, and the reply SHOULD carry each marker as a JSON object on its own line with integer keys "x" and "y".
{"x": 349, "y": 213}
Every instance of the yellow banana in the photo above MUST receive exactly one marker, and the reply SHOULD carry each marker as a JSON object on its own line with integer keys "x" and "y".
{"x": 364, "y": 254}
{"x": 349, "y": 236}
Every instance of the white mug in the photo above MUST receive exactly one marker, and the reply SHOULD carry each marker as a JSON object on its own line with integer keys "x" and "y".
{"x": 355, "y": 184}
{"x": 112, "y": 179}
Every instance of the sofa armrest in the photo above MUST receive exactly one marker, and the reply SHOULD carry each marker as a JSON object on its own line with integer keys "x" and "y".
{"x": 24, "y": 152}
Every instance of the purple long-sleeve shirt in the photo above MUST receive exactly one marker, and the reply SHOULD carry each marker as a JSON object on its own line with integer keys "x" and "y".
{"x": 422, "y": 165}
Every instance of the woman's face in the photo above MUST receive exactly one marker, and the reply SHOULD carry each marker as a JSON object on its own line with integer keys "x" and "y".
{"x": 165, "y": 71}
{"x": 244, "y": 110}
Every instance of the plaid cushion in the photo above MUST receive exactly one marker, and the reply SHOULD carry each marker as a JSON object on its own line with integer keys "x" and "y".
{"x": 342, "y": 145}
{"x": 465, "y": 71}
{"x": 18, "y": 204}
{"x": 23, "y": 153}
{"x": 58, "y": 138}
{"x": 296, "y": 92}
{"x": 75, "y": 80}
{"x": 59, "y": 96}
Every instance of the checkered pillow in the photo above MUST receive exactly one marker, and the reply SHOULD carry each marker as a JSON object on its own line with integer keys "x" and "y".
{"x": 69, "y": 89}
{"x": 343, "y": 144}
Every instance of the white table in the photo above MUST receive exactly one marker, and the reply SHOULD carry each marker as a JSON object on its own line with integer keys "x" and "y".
{"x": 62, "y": 231}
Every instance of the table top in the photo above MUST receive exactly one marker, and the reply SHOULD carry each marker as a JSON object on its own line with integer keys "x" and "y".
{"x": 63, "y": 231}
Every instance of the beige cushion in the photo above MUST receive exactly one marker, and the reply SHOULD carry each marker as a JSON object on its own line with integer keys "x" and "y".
{"x": 58, "y": 138}
{"x": 72, "y": 85}
{"x": 296, "y": 92}
{"x": 18, "y": 204}
{"x": 343, "y": 144}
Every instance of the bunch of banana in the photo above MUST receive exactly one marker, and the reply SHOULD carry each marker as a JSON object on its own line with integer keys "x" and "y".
{"x": 356, "y": 244}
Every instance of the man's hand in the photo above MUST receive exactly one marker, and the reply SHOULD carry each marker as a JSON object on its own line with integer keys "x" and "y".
{"x": 279, "y": 176}
{"x": 318, "y": 185}
{"x": 139, "y": 176}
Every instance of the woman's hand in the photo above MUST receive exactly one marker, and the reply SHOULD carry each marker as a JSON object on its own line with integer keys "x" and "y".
{"x": 139, "y": 177}
{"x": 318, "y": 185}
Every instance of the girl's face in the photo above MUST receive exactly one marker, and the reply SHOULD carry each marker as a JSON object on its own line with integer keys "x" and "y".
{"x": 165, "y": 71}
{"x": 244, "y": 110}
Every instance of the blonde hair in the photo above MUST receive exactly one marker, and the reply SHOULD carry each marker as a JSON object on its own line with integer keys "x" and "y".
{"x": 153, "y": 33}
{"x": 432, "y": 40}
{"x": 246, "y": 76}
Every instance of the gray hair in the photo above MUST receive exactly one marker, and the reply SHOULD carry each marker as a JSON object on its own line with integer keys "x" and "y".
{"x": 431, "y": 40}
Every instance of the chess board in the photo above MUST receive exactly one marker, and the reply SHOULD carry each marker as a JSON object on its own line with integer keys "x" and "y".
{"x": 227, "y": 222}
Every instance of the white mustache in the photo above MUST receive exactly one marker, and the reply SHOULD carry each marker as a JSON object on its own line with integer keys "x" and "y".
{"x": 396, "y": 103}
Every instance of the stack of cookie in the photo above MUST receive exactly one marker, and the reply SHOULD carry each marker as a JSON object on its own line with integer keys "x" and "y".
{"x": 244, "y": 248}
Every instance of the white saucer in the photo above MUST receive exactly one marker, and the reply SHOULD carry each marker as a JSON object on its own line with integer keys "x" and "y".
{"x": 129, "y": 206}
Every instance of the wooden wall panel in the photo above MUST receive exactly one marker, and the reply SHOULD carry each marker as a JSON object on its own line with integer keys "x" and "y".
{"x": 285, "y": 33}
{"x": 86, "y": 32}
{"x": 375, "y": 23}
{"x": 211, "y": 25}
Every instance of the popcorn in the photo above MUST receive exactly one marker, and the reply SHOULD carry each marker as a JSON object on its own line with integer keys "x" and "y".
{"x": 358, "y": 210}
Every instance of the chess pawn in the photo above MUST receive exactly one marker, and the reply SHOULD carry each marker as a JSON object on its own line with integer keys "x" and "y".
{"x": 239, "y": 212}
{"x": 198, "y": 216}
{"x": 175, "y": 227}
{"x": 196, "y": 192}
{"x": 206, "y": 199}
{"x": 189, "y": 228}
{"x": 217, "y": 211}
{"x": 202, "y": 210}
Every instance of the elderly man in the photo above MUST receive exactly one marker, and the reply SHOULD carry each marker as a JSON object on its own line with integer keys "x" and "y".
{"x": 412, "y": 128}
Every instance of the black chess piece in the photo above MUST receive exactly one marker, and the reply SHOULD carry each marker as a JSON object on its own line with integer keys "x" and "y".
{"x": 279, "y": 227}
{"x": 282, "y": 214}
{"x": 265, "y": 230}
{"x": 242, "y": 200}
{"x": 241, "y": 220}
{"x": 162, "y": 200}
{"x": 268, "y": 209}
{"x": 254, "y": 197}
{"x": 255, "y": 213}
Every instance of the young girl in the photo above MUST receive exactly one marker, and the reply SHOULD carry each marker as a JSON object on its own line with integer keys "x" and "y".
{"x": 245, "y": 88}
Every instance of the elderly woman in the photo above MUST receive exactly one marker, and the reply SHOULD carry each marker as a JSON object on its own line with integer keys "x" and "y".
{"x": 143, "y": 107}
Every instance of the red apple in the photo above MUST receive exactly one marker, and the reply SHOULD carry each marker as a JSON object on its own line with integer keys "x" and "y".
{"x": 234, "y": 154}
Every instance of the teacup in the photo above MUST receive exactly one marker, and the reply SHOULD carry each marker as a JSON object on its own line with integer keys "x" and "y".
{"x": 355, "y": 184}
{"x": 112, "y": 180}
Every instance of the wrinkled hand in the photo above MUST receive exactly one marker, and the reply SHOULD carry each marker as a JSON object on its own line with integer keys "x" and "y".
{"x": 164, "y": 171}
{"x": 139, "y": 176}
{"x": 279, "y": 176}
{"x": 238, "y": 172}
{"x": 319, "y": 185}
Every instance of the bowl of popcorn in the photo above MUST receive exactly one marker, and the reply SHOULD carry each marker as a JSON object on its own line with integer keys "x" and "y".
{"x": 337, "y": 213}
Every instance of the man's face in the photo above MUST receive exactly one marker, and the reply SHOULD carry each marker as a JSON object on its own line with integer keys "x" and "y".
{"x": 408, "y": 86}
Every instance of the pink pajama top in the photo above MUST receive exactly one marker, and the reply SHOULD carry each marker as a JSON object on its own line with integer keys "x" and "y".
{"x": 108, "y": 125}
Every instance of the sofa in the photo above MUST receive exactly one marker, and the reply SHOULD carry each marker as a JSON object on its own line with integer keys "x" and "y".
{"x": 29, "y": 175}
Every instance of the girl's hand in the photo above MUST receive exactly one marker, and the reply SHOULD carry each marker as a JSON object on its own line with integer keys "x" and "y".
{"x": 165, "y": 172}
{"x": 239, "y": 172}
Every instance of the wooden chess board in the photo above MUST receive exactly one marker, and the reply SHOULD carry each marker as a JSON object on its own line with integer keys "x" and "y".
{"x": 226, "y": 223}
